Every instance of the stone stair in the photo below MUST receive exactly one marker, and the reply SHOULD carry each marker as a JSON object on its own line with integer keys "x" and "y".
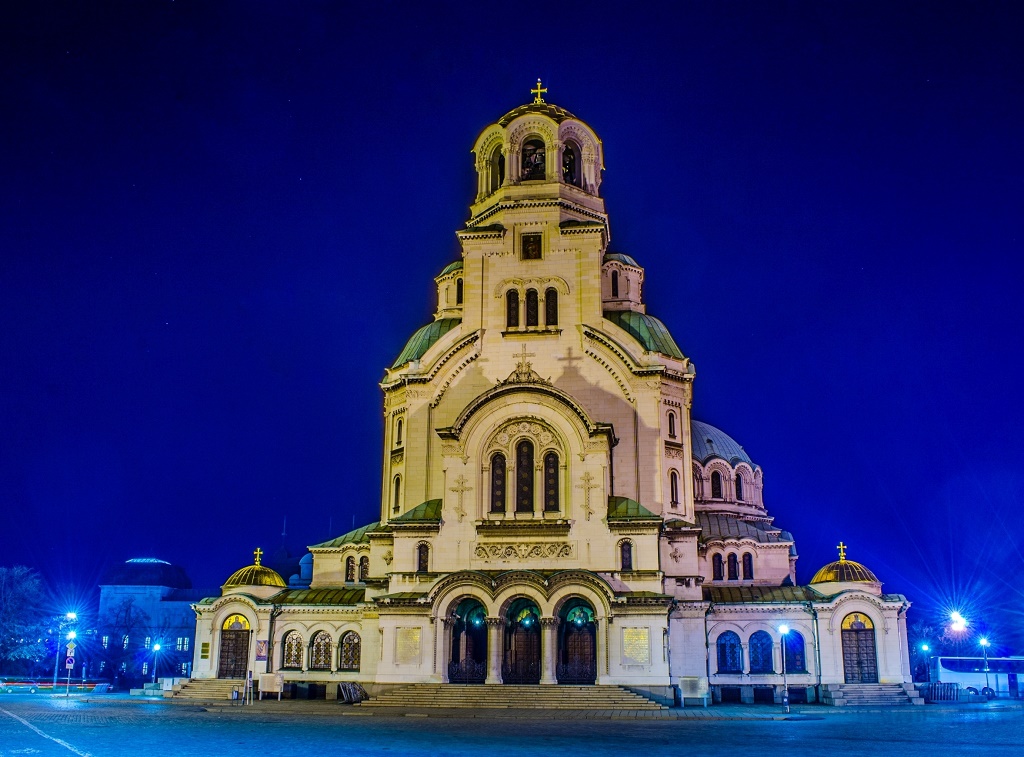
{"x": 487, "y": 696}
{"x": 870, "y": 695}
{"x": 209, "y": 689}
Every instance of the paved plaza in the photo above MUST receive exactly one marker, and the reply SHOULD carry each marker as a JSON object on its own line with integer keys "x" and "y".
{"x": 44, "y": 725}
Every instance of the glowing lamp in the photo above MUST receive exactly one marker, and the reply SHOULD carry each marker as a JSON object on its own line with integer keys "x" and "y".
{"x": 783, "y": 629}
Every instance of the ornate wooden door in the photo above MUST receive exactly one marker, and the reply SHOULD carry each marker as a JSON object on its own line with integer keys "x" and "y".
{"x": 522, "y": 655}
{"x": 578, "y": 664}
{"x": 234, "y": 654}
{"x": 860, "y": 663}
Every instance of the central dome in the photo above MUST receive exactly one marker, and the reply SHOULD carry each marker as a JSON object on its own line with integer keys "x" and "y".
{"x": 844, "y": 571}
{"x": 255, "y": 575}
{"x": 553, "y": 112}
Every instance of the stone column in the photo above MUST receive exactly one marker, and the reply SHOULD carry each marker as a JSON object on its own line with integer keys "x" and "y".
{"x": 548, "y": 637}
{"x": 446, "y": 647}
{"x": 495, "y": 628}
{"x": 744, "y": 658}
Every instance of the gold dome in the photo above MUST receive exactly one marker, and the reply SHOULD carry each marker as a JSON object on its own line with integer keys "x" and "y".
{"x": 843, "y": 571}
{"x": 255, "y": 575}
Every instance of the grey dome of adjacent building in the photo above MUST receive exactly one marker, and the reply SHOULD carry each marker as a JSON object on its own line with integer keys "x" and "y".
{"x": 147, "y": 571}
{"x": 709, "y": 442}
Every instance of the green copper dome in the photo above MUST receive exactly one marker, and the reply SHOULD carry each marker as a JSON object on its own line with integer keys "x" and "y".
{"x": 646, "y": 329}
{"x": 424, "y": 339}
{"x": 618, "y": 256}
{"x": 456, "y": 266}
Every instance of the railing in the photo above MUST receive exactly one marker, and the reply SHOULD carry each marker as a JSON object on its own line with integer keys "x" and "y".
{"x": 941, "y": 692}
{"x": 577, "y": 672}
{"x": 520, "y": 672}
{"x": 466, "y": 671}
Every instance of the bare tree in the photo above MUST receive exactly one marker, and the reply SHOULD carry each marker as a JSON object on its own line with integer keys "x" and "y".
{"x": 22, "y": 618}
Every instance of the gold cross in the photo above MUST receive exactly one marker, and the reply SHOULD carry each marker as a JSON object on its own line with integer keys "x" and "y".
{"x": 842, "y": 552}
{"x": 538, "y": 91}
{"x": 258, "y": 554}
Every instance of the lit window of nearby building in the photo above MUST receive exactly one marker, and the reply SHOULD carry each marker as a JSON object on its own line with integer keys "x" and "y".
{"x": 148, "y": 641}
{"x": 125, "y": 642}
{"x": 145, "y": 668}
{"x": 103, "y": 665}
{"x": 106, "y": 641}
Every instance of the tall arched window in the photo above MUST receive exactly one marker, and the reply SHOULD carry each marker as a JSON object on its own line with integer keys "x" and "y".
{"x": 524, "y": 477}
{"x": 350, "y": 569}
{"x": 761, "y": 653}
{"x": 748, "y": 566}
{"x": 716, "y": 485}
{"x": 615, "y": 283}
{"x": 717, "y": 573}
{"x": 671, "y": 425}
{"x": 739, "y": 488}
{"x": 398, "y": 433}
{"x": 498, "y": 473}
{"x": 349, "y": 651}
{"x": 550, "y": 307}
{"x": 534, "y": 158}
{"x": 796, "y": 660}
{"x": 458, "y": 291}
{"x": 397, "y": 492}
{"x": 496, "y": 171}
{"x": 320, "y": 651}
{"x": 730, "y": 653}
{"x": 364, "y": 568}
{"x": 291, "y": 651}
{"x": 423, "y": 558}
{"x": 734, "y": 567}
{"x": 532, "y": 308}
{"x": 626, "y": 555}
{"x": 673, "y": 488}
{"x": 551, "y": 482}
{"x": 512, "y": 309}
{"x": 571, "y": 164}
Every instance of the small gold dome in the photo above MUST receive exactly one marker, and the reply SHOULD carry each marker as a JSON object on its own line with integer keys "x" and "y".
{"x": 844, "y": 571}
{"x": 255, "y": 575}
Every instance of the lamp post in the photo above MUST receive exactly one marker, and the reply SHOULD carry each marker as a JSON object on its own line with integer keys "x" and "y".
{"x": 68, "y": 618}
{"x": 984, "y": 651}
{"x": 156, "y": 656}
{"x": 784, "y": 630}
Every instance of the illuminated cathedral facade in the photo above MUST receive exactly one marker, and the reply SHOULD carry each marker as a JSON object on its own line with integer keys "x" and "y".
{"x": 551, "y": 512}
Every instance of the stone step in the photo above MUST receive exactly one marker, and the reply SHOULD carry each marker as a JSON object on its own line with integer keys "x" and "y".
{"x": 457, "y": 696}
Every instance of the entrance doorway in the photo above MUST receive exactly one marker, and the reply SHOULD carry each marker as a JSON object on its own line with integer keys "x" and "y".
{"x": 468, "y": 660}
{"x": 860, "y": 661}
{"x": 234, "y": 648}
{"x": 577, "y": 643}
{"x": 521, "y": 660}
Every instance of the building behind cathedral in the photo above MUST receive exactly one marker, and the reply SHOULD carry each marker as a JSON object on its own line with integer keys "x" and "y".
{"x": 551, "y": 511}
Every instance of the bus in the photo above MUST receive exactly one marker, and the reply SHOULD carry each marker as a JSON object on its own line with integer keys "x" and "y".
{"x": 1002, "y": 679}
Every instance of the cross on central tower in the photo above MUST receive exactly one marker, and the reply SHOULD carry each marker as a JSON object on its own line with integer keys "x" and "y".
{"x": 538, "y": 91}
{"x": 842, "y": 552}
{"x": 258, "y": 553}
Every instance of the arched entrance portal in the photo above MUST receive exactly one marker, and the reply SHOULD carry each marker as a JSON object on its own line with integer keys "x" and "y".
{"x": 521, "y": 661}
{"x": 468, "y": 660}
{"x": 860, "y": 663}
{"x": 234, "y": 648}
{"x": 577, "y": 643}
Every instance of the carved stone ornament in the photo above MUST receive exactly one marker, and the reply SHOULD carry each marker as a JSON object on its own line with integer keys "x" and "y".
{"x": 388, "y": 557}
{"x": 534, "y": 551}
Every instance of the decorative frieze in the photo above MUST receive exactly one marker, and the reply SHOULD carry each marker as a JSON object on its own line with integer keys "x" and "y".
{"x": 525, "y": 551}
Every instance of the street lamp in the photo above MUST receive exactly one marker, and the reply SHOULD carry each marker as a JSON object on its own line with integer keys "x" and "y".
{"x": 784, "y": 630}
{"x": 70, "y": 617}
{"x": 156, "y": 656}
{"x": 984, "y": 650}
{"x": 958, "y": 623}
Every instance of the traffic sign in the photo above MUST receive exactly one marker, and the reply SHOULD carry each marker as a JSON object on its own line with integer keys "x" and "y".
{"x": 71, "y": 653}
{"x": 69, "y": 663}
{"x": 71, "y": 646}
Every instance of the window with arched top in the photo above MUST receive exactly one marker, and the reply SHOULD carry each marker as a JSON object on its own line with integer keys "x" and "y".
{"x": 496, "y": 170}
{"x": 671, "y": 425}
{"x": 458, "y": 291}
{"x": 524, "y": 476}
{"x": 350, "y": 569}
{"x": 349, "y": 651}
{"x": 398, "y": 433}
{"x": 626, "y": 555}
{"x": 550, "y": 307}
{"x": 364, "y": 568}
{"x": 498, "y": 473}
{"x": 748, "y": 566}
{"x": 760, "y": 650}
{"x": 615, "y": 283}
{"x": 739, "y": 488}
{"x": 534, "y": 156}
{"x": 796, "y": 660}
{"x": 291, "y": 651}
{"x": 423, "y": 558}
{"x": 512, "y": 309}
{"x": 397, "y": 493}
{"x": 320, "y": 651}
{"x": 717, "y": 568}
{"x": 571, "y": 164}
{"x": 532, "y": 308}
{"x": 730, "y": 653}
{"x": 734, "y": 567}
{"x": 551, "y": 482}
{"x": 716, "y": 485}
{"x": 673, "y": 488}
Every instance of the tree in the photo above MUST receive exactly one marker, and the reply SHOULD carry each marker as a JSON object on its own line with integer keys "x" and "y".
{"x": 124, "y": 629}
{"x": 22, "y": 618}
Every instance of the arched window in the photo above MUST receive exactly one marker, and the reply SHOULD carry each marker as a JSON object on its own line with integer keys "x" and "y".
{"x": 615, "y": 283}
{"x": 524, "y": 477}
{"x": 717, "y": 573}
{"x": 291, "y": 651}
{"x": 626, "y": 555}
{"x": 671, "y": 425}
{"x": 348, "y": 651}
{"x": 364, "y": 568}
{"x": 534, "y": 156}
{"x": 398, "y": 433}
{"x": 673, "y": 488}
{"x": 512, "y": 309}
{"x": 571, "y": 164}
{"x": 698, "y": 485}
{"x": 748, "y": 566}
{"x": 550, "y": 307}
{"x": 761, "y": 653}
{"x": 532, "y": 308}
{"x": 458, "y": 291}
{"x": 350, "y": 570}
{"x": 734, "y": 567}
{"x": 423, "y": 558}
{"x": 730, "y": 653}
{"x": 498, "y": 483}
{"x": 320, "y": 651}
{"x": 397, "y": 493}
{"x": 551, "y": 482}
{"x": 739, "y": 488}
{"x": 796, "y": 660}
{"x": 497, "y": 170}
{"x": 716, "y": 485}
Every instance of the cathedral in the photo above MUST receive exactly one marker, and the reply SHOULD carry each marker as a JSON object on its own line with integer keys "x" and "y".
{"x": 551, "y": 512}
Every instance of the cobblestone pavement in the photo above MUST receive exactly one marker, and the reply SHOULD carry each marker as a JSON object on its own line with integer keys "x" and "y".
{"x": 114, "y": 726}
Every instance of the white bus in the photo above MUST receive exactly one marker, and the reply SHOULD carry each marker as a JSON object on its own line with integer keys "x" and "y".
{"x": 1003, "y": 677}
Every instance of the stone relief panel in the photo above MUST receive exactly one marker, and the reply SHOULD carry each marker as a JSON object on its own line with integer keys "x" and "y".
{"x": 517, "y": 552}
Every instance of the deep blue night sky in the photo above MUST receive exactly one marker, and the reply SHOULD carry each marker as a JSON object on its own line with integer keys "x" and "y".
{"x": 219, "y": 222}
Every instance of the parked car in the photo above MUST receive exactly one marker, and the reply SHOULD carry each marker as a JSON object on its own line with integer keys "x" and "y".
{"x": 18, "y": 686}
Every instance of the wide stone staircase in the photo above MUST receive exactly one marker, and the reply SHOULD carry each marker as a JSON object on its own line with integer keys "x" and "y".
{"x": 209, "y": 689}
{"x": 870, "y": 695}
{"x": 460, "y": 696}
